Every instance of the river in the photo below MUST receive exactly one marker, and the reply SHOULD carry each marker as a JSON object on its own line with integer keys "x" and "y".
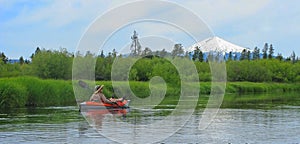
{"x": 66, "y": 125}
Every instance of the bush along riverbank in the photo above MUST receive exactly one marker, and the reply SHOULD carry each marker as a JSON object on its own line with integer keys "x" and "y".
{"x": 32, "y": 91}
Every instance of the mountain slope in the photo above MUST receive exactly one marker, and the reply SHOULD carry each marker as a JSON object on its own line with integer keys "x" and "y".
{"x": 217, "y": 44}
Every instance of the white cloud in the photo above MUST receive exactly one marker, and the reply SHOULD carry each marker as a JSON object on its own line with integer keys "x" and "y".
{"x": 59, "y": 13}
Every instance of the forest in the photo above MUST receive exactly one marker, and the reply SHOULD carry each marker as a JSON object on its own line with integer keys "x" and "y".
{"x": 45, "y": 80}
{"x": 57, "y": 64}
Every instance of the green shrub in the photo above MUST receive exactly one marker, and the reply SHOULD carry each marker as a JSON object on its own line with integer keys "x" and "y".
{"x": 12, "y": 95}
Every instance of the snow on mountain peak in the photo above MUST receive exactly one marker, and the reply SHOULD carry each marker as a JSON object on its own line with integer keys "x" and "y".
{"x": 217, "y": 44}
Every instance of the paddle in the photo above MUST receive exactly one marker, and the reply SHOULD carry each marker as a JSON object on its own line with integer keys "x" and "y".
{"x": 83, "y": 84}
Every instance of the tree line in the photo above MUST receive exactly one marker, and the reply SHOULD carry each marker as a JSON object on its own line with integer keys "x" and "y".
{"x": 251, "y": 66}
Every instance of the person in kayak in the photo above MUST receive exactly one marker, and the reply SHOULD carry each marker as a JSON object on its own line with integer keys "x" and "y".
{"x": 98, "y": 96}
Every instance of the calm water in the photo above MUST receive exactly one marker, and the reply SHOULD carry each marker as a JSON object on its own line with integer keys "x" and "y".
{"x": 67, "y": 125}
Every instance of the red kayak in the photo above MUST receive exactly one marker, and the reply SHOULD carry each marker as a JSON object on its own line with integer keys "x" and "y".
{"x": 90, "y": 105}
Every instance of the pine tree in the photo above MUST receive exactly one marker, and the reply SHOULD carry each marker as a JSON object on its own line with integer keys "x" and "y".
{"x": 243, "y": 55}
{"x": 102, "y": 54}
{"x": 248, "y": 55}
{"x": 271, "y": 52}
{"x": 265, "y": 51}
{"x": 235, "y": 57}
{"x": 279, "y": 57}
{"x": 196, "y": 53}
{"x": 201, "y": 57}
{"x": 3, "y": 57}
{"x": 135, "y": 47}
{"x": 38, "y": 50}
{"x": 293, "y": 57}
{"x": 230, "y": 56}
{"x": 114, "y": 53}
{"x": 256, "y": 53}
{"x": 21, "y": 60}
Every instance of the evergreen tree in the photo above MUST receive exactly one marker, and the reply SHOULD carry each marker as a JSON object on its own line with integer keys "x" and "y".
{"x": 37, "y": 50}
{"x": 230, "y": 56}
{"x": 109, "y": 55}
{"x": 293, "y": 57}
{"x": 27, "y": 61}
{"x": 256, "y": 53}
{"x": 265, "y": 51}
{"x": 114, "y": 53}
{"x": 243, "y": 55}
{"x": 102, "y": 54}
{"x": 21, "y": 60}
{"x": 196, "y": 53}
{"x": 201, "y": 56}
{"x": 135, "y": 47}
{"x": 288, "y": 59}
{"x": 3, "y": 58}
{"x": 235, "y": 57}
{"x": 279, "y": 57}
{"x": 249, "y": 55}
{"x": 271, "y": 52}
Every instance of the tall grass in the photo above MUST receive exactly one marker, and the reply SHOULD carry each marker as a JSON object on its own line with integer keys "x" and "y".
{"x": 258, "y": 100}
{"x": 31, "y": 91}
{"x": 12, "y": 94}
{"x": 250, "y": 87}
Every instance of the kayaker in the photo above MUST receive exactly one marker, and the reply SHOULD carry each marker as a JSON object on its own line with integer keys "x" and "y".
{"x": 98, "y": 96}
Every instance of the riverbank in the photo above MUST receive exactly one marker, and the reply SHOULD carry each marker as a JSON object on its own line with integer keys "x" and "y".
{"x": 32, "y": 91}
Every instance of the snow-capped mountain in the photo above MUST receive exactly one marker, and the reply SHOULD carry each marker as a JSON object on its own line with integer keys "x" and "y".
{"x": 217, "y": 44}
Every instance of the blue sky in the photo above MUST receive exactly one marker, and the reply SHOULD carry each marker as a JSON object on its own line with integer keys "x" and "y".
{"x": 51, "y": 24}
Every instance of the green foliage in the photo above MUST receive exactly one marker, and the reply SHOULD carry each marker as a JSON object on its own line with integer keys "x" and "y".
{"x": 52, "y": 64}
{"x": 3, "y": 58}
{"x": 271, "y": 70}
{"x": 249, "y": 87}
{"x": 49, "y": 64}
{"x": 265, "y": 51}
{"x": 12, "y": 94}
{"x": 31, "y": 91}
{"x": 177, "y": 50}
{"x": 260, "y": 100}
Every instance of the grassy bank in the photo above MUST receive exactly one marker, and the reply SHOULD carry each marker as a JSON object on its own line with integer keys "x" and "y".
{"x": 261, "y": 100}
{"x": 31, "y": 91}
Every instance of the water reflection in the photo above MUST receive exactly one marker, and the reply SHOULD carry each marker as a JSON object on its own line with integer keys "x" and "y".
{"x": 96, "y": 117}
{"x": 66, "y": 125}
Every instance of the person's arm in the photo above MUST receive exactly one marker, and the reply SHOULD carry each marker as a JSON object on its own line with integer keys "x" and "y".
{"x": 105, "y": 100}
